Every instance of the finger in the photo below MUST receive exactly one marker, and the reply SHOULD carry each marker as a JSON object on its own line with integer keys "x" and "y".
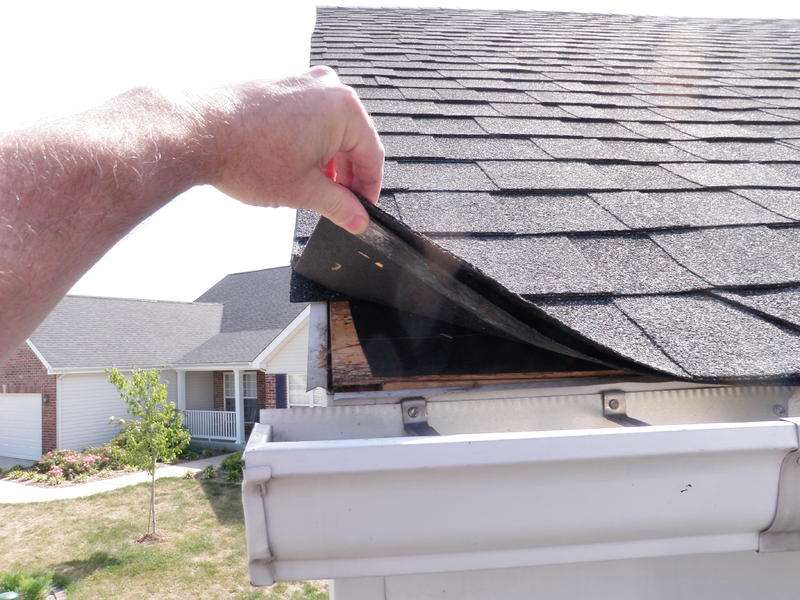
{"x": 324, "y": 72}
{"x": 338, "y": 204}
{"x": 363, "y": 148}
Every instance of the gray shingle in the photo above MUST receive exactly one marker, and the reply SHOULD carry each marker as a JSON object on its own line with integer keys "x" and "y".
{"x": 683, "y": 209}
{"x": 566, "y": 97}
{"x": 410, "y": 146}
{"x": 590, "y": 149}
{"x": 656, "y": 131}
{"x": 734, "y": 256}
{"x": 635, "y": 265}
{"x": 511, "y": 109}
{"x": 520, "y": 126}
{"x": 592, "y": 129}
{"x": 741, "y": 151}
{"x": 475, "y": 213}
{"x": 717, "y": 130}
{"x": 450, "y": 126}
{"x": 783, "y": 304}
{"x": 378, "y": 92}
{"x": 735, "y": 175}
{"x": 707, "y": 115}
{"x": 511, "y": 175}
{"x": 419, "y": 93}
{"x": 484, "y": 148}
{"x": 783, "y": 202}
{"x": 529, "y": 265}
{"x": 405, "y": 82}
{"x": 395, "y": 124}
{"x": 484, "y": 95}
{"x": 401, "y": 107}
{"x": 617, "y": 114}
{"x": 602, "y": 322}
{"x": 453, "y": 212}
{"x": 435, "y": 176}
{"x": 711, "y": 339}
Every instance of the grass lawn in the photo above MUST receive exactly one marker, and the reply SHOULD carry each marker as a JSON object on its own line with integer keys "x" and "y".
{"x": 91, "y": 542}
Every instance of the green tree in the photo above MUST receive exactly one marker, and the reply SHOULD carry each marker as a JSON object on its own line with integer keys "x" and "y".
{"x": 154, "y": 432}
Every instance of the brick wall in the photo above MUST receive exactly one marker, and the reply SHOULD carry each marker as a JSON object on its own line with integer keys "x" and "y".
{"x": 266, "y": 389}
{"x": 24, "y": 373}
{"x": 219, "y": 401}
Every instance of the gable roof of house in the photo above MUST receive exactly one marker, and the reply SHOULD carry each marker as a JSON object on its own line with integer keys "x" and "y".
{"x": 231, "y": 323}
{"x": 634, "y": 180}
{"x": 85, "y": 332}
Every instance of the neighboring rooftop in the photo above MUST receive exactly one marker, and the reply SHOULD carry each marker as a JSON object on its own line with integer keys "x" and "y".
{"x": 231, "y": 323}
{"x": 635, "y": 178}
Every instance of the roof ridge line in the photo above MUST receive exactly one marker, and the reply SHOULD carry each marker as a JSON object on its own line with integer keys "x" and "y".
{"x": 128, "y": 299}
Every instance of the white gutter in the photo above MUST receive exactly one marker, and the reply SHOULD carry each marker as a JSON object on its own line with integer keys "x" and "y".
{"x": 401, "y": 505}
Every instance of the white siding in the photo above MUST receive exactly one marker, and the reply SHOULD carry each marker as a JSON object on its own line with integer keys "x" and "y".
{"x": 298, "y": 396}
{"x": 21, "y": 426}
{"x": 85, "y": 404}
{"x": 199, "y": 390}
{"x": 292, "y": 355}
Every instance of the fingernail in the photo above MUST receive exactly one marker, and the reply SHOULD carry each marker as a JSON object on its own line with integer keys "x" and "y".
{"x": 357, "y": 224}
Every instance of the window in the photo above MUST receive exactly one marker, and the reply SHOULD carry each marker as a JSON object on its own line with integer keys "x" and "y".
{"x": 249, "y": 392}
{"x": 298, "y": 396}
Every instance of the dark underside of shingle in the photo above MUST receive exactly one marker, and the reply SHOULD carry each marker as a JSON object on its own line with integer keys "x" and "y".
{"x": 635, "y": 178}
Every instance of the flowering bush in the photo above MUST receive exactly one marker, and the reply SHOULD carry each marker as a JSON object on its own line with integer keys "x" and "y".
{"x": 69, "y": 465}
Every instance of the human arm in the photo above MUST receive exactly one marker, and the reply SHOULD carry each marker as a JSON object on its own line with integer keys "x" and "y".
{"x": 70, "y": 189}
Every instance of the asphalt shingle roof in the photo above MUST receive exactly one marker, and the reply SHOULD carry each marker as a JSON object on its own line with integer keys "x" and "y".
{"x": 90, "y": 332}
{"x": 231, "y": 323}
{"x": 636, "y": 178}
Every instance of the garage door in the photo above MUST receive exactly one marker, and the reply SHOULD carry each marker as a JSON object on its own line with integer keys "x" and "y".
{"x": 21, "y": 426}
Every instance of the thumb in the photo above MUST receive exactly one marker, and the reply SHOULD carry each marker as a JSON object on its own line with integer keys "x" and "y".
{"x": 337, "y": 203}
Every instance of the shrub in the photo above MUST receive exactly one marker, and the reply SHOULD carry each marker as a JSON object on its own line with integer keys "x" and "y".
{"x": 208, "y": 473}
{"x": 233, "y": 466}
{"x": 29, "y": 586}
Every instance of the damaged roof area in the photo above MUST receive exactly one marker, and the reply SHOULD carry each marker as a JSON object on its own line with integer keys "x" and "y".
{"x": 626, "y": 187}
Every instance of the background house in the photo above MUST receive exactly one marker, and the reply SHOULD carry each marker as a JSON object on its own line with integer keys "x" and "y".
{"x": 240, "y": 347}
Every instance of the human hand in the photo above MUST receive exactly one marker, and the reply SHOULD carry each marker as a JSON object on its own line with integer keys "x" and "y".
{"x": 302, "y": 142}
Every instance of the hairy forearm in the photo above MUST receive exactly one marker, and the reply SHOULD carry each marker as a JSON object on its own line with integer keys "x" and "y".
{"x": 72, "y": 188}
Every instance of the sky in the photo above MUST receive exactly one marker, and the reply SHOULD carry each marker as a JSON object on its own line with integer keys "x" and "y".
{"x": 63, "y": 57}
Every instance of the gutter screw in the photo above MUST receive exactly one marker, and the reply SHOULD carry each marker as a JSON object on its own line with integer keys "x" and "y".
{"x": 779, "y": 410}
{"x": 413, "y": 412}
{"x": 613, "y": 404}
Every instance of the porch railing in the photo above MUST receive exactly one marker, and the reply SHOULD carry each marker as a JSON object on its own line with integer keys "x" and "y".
{"x": 211, "y": 424}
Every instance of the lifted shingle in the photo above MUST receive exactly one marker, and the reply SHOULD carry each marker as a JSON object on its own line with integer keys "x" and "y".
{"x": 603, "y": 322}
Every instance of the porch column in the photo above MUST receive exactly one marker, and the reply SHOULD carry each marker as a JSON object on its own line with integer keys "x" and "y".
{"x": 237, "y": 392}
{"x": 180, "y": 401}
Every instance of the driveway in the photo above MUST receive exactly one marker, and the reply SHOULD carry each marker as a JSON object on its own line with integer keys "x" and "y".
{"x": 6, "y": 462}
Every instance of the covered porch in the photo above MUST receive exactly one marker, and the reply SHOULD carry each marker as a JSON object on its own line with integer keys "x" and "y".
{"x": 219, "y": 406}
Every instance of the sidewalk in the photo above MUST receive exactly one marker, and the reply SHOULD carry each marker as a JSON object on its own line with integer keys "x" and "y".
{"x": 12, "y": 492}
